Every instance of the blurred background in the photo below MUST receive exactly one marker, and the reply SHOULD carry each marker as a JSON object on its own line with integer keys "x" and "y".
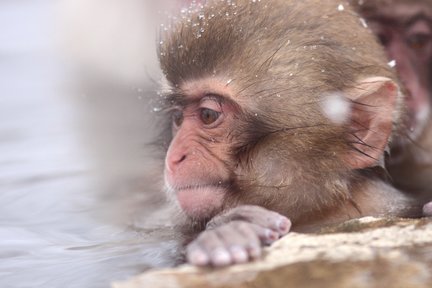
{"x": 76, "y": 77}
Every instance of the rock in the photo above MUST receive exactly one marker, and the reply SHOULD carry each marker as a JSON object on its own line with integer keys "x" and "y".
{"x": 367, "y": 252}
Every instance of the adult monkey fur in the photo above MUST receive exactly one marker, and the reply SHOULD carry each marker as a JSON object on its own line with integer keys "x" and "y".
{"x": 404, "y": 27}
{"x": 254, "y": 138}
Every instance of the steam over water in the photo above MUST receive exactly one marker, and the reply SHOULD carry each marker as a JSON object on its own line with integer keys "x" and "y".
{"x": 49, "y": 235}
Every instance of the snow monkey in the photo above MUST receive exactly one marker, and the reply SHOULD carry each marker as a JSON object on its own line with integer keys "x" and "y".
{"x": 281, "y": 114}
{"x": 404, "y": 28}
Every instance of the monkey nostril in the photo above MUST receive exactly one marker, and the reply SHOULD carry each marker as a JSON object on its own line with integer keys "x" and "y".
{"x": 172, "y": 163}
{"x": 177, "y": 160}
{"x": 182, "y": 158}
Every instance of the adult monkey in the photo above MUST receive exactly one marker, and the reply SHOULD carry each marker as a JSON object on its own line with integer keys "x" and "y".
{"x": 404, "y": 27}
{"x": 251, "y": 91}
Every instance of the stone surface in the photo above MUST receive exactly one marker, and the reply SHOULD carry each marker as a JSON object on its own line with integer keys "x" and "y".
{"x": 367, "y": 252}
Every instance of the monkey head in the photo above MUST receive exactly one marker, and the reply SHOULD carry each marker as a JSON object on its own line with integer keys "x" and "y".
{"x": 404, "y": 28}
{"x": 248, "y": 87}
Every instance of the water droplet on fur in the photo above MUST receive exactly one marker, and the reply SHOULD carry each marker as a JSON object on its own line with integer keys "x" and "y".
{"x": 363, "y": 22}
{"x": 336, "y": 107}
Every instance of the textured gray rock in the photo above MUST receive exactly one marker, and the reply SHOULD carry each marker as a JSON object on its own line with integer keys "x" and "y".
{"x": 367, "y": 252}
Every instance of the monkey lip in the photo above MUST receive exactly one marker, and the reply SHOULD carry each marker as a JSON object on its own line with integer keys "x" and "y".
{"x": 219, "y": 185}
{"x": 199, "y": 201}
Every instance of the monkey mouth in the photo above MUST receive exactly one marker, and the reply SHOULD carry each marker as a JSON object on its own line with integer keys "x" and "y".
{"x": 218, "y": 185}
{"x": 199, "y": 201}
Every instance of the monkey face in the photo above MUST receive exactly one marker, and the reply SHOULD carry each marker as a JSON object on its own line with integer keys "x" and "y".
{"x": 197, "y": 164}
{"x": 405, "y": 30}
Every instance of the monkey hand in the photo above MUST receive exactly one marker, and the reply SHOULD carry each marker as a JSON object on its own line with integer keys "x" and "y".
{"x": 237, "y": 236}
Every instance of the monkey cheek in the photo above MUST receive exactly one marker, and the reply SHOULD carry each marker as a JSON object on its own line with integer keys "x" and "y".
{"x": 201, "y": 202}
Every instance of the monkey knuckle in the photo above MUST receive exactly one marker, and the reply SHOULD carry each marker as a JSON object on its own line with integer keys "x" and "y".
{"x": 226, "y": 229}
{"x": 256, "y": 214}
{"x": 243, "y": 208}
{"x": 205, "y": 236}
{"x": 242, "y": 226}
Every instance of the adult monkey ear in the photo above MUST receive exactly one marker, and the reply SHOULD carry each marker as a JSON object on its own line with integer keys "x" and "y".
{"x": 374, "y": 106}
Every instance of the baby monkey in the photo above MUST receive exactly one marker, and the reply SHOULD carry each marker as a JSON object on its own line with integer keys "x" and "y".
{"x": 281, "y": 113}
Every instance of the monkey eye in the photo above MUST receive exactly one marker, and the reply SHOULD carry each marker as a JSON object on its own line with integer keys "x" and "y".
{"x": 177, "y": 117}
{"x": 208, "y": 116}
{"x": 419, "y": 40}
{"x": 418, "y": 35}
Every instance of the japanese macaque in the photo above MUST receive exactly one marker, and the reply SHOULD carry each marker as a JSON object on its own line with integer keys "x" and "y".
{"x": 404, "y": 27}
{"x": 281, "y": 114}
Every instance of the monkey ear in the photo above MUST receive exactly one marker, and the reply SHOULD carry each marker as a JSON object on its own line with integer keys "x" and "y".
{"x": 373, "y": 108}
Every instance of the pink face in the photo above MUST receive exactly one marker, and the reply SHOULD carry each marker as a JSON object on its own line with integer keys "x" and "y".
{"x": 197, "y": 168}
{"x": 406, "y": 32}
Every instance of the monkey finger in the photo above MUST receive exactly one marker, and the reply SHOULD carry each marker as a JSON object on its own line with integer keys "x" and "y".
{"x": 269, "y": 219}
{"x": 263, "y": 236}
{"x": 196, "y": 255}
{"x": 257, "y": 237}
{"x": 279, "y": 223}
{"x": 238, "y": 244}
{"x": 210, "y": 243}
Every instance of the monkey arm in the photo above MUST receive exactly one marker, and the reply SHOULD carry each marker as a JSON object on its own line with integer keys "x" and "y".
{"x": 368, "y": 198}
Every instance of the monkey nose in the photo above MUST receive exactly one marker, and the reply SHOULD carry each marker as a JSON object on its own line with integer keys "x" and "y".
{"x": 174, "y": 160}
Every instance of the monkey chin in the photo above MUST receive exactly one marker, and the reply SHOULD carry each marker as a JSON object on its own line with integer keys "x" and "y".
{"x": 201, "y": 201}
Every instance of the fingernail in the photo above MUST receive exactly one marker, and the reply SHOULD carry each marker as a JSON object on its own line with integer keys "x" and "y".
{"x": 284, "y": 225}
{"x": 239, "y": 254}
{"x": 198, "y": 258}
{"x": 220, "y": 257}
{"x": 271, "y": 236}
{"x": 254, "y": 252}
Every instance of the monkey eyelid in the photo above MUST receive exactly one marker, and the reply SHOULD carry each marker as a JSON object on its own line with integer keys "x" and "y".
{"x": 213, "y": 97}
{"x": 417, "y": 18}
{"x": 212, "y": 102}
{"x": 224, "y": 100}
{"x": 180, "y": 101}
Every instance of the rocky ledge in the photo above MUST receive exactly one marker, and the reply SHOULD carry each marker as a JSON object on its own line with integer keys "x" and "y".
{"x": 367, "y": 252}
